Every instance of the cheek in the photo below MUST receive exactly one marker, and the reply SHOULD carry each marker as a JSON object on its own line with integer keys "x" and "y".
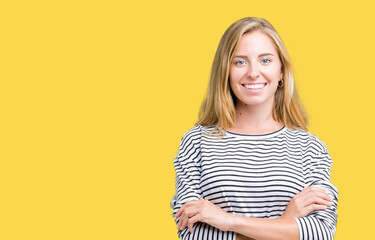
{"x": 231, "y": 75}
{"x": 232, "y": 78}
{"x": 236, "y": 74}
{"x": 232, "y": 84}
{"x": 273, "y": 75}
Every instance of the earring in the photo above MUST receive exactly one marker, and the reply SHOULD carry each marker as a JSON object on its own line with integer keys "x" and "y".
{"x": 282, "y": 83}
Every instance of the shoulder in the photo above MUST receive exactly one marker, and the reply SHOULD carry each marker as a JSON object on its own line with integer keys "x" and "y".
{"x": 307, "y": 139}
{"x": 194, "y": 132}
{"x": 314, "y": 150}
{"x": 197, "y": 131}
{"x": 194, "y": 135}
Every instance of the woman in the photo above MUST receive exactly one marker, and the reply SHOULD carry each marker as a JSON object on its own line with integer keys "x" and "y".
{"x": 249, "y": 169}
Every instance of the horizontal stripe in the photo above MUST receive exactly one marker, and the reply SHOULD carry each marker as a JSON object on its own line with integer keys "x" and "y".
{"x": 254, "y": 176}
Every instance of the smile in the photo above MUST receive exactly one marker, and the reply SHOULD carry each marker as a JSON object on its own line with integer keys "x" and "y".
{"x": 254, "y": 86}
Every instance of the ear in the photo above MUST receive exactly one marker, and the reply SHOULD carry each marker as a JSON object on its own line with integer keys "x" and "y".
{"x": 281, "y": 75}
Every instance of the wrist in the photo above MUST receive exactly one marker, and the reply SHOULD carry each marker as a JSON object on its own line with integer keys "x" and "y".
{"x": 233, "y": 222}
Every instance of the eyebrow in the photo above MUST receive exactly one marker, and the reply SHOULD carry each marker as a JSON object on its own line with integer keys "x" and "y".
{"x": 260, "y": 55}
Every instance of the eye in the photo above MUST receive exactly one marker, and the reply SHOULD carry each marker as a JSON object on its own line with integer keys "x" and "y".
{"x": 240, "y": 62}
{"x": 266, "y": 60}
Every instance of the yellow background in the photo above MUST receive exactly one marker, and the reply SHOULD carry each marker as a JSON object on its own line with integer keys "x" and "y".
{"x": 96, "y": 95}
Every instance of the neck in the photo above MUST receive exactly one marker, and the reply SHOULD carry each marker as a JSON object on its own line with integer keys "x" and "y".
{"x": 254, "y": 120}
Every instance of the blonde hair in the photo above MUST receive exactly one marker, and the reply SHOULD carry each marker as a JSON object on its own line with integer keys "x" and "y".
{"x": 218, "y": 107}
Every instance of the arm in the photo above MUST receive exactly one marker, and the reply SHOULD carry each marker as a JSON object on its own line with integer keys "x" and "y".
{"x": 308, "y": 206}
{"x": 186, "y": 164}
{"x": 285, "y": 227}
{"x": 307, "y": 201}
{"x": 314, "y": 209}
{"x": 265, "y": 229}
{"x": 319, "y": 224}
{"x": 258, "y": 228}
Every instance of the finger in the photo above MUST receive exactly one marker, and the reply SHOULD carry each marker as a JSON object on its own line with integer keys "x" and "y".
{"x": 320, "y": 190}
{"x": 190, "y": 227}
{"x": 311, "y": 208}
{"x": 315, "y": 207}
{"x": 189, "y": 212}
{"x": 183, "y": 221}
{"x": 307, "y": 201}
{"x": 322, "y": 201}
{"x": 189, "y": 203}
{"x": 180, "y": 211}
{"x": 319, "y": 194}
{"x": 313, "y": 197}
{"x": 179, "y": 223}
{"x": 319, "y": 197}
{"x": 192, "y": 220}
{"x": 328, "y": 194}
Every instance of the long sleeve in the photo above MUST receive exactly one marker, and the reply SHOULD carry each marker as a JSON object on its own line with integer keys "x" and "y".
{"x": 188, "y": 172}
{"x": 319, "y": 224}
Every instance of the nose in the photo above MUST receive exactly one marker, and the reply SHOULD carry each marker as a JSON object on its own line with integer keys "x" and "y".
{"x": 252, "y": 71}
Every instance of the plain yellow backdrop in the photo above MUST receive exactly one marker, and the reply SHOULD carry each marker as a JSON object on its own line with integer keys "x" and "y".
{"x": 96, "y": 95}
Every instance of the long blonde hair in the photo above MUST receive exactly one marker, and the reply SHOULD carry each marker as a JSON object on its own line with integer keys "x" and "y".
{"x": 218, "y": 107}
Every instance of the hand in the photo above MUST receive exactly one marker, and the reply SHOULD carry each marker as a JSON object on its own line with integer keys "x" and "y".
{"x": 306, "y": 201}
{"x": 203, "y": 210}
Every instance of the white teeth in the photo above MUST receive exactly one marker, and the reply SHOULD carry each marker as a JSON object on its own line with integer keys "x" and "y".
{"x": 255, "y": 86}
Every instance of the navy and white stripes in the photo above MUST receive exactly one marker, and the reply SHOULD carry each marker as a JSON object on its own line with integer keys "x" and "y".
{"x": 254, "y": 176}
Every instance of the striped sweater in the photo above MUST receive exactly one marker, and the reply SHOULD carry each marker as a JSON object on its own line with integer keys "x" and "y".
{"x": 254, "y": 176}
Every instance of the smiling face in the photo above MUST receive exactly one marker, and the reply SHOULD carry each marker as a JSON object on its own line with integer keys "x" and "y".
{"x": 255, "y": 70}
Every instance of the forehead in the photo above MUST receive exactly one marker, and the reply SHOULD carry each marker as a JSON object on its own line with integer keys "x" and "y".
{"x": 256, "y": 42}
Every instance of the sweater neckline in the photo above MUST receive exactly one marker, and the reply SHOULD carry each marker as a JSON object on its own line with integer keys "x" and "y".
{"x": 257, "y": 136}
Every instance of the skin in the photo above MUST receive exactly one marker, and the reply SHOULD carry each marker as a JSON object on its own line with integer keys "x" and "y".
{"x": 256, "y": 61}
{"x": 285, "y": 227}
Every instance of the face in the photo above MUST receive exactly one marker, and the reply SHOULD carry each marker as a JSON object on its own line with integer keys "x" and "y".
{"x": 255, "y": 70}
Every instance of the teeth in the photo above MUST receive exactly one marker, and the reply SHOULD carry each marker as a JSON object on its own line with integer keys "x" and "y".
{"x": 255, "y": 86}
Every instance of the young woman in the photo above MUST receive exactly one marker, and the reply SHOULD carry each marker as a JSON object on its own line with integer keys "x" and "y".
{"x": 249, "y": 169}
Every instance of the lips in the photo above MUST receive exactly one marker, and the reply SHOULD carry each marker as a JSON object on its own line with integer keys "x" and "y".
{"x": 254, "y": 86}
